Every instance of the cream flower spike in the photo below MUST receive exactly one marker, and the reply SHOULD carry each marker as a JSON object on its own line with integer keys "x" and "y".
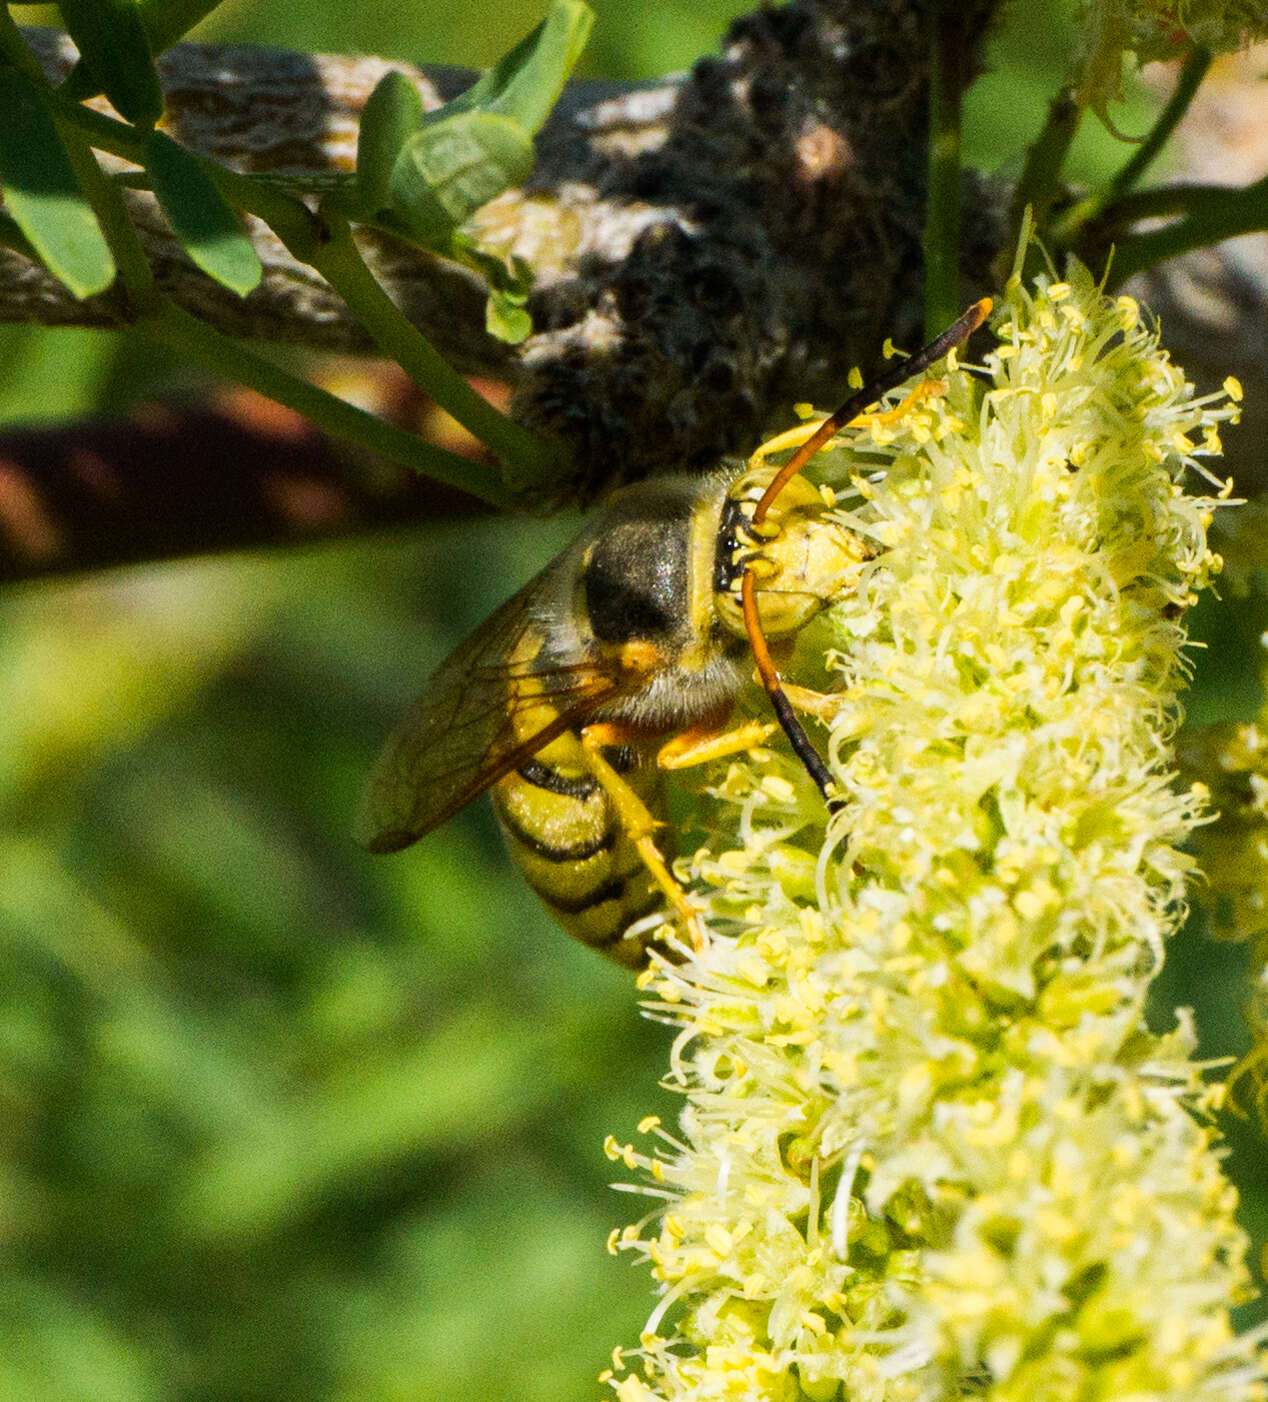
{"x": 929, "y": 1149}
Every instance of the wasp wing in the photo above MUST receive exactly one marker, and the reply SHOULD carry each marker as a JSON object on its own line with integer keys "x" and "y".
{"x": 496, "y": 700}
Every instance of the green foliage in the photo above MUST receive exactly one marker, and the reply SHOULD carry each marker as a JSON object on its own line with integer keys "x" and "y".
{"x": 200, "y": 216}
{"x": 526, "y": 83}
{"x": 166, "y": 21}
{"x": 446, "y": 171}
{"x": 115, "y": 54}
{"x": 42, "y": 193}
{"x": 423, "y": 175}
{"x": 392, "y": 114}
{"x": 307, "y": 1120}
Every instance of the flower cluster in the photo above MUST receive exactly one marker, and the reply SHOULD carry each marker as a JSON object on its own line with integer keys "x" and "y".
{"x": 929, "y": 1149}
{"x": 1160, "y": 30}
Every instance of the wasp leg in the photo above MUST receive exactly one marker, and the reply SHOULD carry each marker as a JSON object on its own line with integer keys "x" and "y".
{"x": 802, "y": 433}
{"x": 702, "y": 743}
{"x": 638, "y": 823}
{"x": 823, "y": 705}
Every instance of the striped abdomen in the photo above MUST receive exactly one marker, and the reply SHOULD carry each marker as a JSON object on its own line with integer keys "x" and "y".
{"x": 568, "y": 841}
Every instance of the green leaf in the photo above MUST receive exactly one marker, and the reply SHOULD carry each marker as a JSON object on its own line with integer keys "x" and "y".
{"x": 526, "y": 83}
{"x": 116, "y": 52}
{"x": 393, "y": 113}
{"x": 506, "y": 319}
{"x": 450, "y": 169}
{"x": 167, "y": 20}
{"x": 200, "y": 217}
{"x": 42, "y": 193}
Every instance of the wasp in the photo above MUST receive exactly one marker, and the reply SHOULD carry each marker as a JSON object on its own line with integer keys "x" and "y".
{"x": 623, "y": 659}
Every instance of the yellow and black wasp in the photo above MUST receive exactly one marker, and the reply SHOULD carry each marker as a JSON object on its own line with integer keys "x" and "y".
{"x": 621, "y": 659}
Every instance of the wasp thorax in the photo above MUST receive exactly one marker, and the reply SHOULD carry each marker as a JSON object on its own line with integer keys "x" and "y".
{"x": 801, "y": 557}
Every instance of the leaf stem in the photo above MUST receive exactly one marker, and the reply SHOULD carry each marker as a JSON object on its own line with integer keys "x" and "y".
{"x": 1066, "y": 230}
{"x": 185, "y": 333}
{"x": 530, "y": 461}
{"x": 942, "y": 210}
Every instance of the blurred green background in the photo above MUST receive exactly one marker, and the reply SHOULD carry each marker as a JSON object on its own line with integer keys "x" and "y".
{"x": 279, "y": 1120}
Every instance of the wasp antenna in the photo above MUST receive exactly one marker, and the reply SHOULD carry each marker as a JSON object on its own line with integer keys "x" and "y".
{"x": 784, "y": 713}
{"x": 959, "y": 331}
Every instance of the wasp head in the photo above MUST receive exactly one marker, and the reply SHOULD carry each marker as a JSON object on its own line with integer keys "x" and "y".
{"x": 802, "y": 558}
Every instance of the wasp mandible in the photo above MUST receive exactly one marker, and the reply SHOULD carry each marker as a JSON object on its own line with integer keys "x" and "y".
{"x": 624, "y": 658}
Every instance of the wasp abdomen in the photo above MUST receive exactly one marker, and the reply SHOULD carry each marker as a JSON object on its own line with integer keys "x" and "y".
{"x": 567, "y": 839}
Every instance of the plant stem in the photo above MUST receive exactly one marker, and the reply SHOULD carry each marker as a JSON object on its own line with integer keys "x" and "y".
{"x": 530, "y": 461}
{"x": 156, "y": 315}
{"x": 135, "y": 272}
{"x": 1217, "y": 215}
{"x": 942, "y": 210}
{"x": 325, "y": 243}
{"x": 1187, "y": 84}
{"x": 185, "y": 333}
{"x": 1066, "y": 230}
{"x": 289, "y": 218}
{"x": 1040, "y": 181}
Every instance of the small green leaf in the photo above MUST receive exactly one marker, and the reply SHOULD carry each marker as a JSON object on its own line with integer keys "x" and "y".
{"x": 506, "y": 319}
{"x": 393, "y": 113}
{"x": 42, "y": 193}
{"x": 167, "y": 20}
{"x": 116, "y": 52}
{"x": 525, "y": 84}
{"x": 448, "y": 170}
{"x": 199, "y": 216}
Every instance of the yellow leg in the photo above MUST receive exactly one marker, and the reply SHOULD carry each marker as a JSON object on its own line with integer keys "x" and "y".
{"x": 823, "y": 705}
{"x": 801, "y": 433}
{"x": 639, "y": 825}
{"x": 702, "y": 743}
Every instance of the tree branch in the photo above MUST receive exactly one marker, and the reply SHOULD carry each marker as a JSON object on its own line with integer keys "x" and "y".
{"x": 708, "y": 249}
{"x": 166, "y": 482}
{"x": 704, "y": 247}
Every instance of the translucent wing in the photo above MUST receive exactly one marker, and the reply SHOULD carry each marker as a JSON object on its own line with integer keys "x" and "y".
{"x": 496, "y": 700}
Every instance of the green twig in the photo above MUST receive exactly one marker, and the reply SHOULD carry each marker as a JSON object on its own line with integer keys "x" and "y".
{"x": 1040, "y": 182}
{"x": 1066, "y": 230}
{"x": 1162, "y": 200}
{"x": 185, "y": 333}
{"x": 155, "y": 315}
{"x": 942, "y": 209}
{"x": 1216, "y": 215}
{"x": 106, "y": 199}
{"x": 530, "y": 462}
{"x": 325, "y": 243}
{"x": 1187, "y": 84}
{"x": 289, "y": 218}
